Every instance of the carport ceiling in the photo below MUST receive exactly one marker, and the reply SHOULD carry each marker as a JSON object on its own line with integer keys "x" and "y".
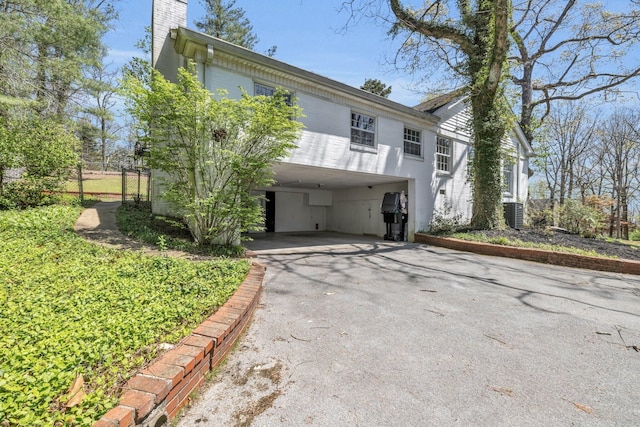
{"x": 298, "y": 176}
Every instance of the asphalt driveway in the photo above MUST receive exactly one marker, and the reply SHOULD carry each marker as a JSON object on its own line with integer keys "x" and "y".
{"x": 371, "y": 333}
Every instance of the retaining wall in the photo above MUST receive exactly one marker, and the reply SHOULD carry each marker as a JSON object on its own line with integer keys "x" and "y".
{"x": 537, "y": 255}
{"x": 155, "y": 395}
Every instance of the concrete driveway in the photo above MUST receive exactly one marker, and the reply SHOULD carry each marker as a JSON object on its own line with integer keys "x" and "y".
{"x": 372, "y": 333}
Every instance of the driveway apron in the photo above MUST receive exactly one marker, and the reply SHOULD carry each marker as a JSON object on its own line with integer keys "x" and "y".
{"x": 372, "y": 333}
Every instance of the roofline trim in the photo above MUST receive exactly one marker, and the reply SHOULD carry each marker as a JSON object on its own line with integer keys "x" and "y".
{"x": 192, "y": 44}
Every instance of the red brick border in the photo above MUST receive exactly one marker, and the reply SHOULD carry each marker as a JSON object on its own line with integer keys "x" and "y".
{"x": 537, "y": 255}
{"x": 155, "y": 395}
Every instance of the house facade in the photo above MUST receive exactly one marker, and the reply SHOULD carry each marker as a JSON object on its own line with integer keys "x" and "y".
{"x": 355, "y": 146}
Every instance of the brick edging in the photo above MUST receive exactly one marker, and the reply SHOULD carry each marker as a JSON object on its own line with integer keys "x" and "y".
{"x": 537, "y": 255}
{"x": 156, "y": 394}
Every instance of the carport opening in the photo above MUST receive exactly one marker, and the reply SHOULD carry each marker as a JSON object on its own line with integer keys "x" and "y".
{"x": 305, "y": 199}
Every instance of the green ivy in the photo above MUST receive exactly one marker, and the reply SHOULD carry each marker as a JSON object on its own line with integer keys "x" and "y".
{"x": 71, "y": 308}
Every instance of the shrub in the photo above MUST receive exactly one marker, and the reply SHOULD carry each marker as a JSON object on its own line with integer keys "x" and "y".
{"x": 444, "y": 220}
{"x": 29, "y": 192}
{"x": 45, "y": 149}
{"x": 580, "y": 218}
{"x": 214, "y": 151}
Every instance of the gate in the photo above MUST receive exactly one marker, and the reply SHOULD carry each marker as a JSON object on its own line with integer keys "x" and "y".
{"x": 136, "y": 186}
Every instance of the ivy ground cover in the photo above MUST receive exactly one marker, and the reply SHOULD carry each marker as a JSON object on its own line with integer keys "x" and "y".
{"x": 72, "y": 311}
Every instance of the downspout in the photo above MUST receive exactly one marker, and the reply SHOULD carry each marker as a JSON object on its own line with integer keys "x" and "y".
{"x": 518, "y": 172}
{"x": 201, "y": 59}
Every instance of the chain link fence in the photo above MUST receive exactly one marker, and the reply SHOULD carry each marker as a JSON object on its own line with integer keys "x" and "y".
{"x": 136, "y": 186}
{"x": 103, "y": 185}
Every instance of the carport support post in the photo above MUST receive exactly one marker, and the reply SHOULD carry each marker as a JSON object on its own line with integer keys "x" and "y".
{"x": 412, "y": 209}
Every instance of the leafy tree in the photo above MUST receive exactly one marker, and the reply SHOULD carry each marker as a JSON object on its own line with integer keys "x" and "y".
{"x": 46, "y": 45}
{"x": 619, "y": 147}
{"x": 375, "y": 86}
{"x": 45, "y": 149}
{"x": 225, "y": 22}
{"x": 478, "y": 35}
{"x": 100, "y": 89}
{"x": 565, "y": 150}
{"x": 214, "y": 150}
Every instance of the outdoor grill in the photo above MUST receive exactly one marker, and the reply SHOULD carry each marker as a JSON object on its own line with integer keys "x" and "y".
{"x": 394, "y": 213}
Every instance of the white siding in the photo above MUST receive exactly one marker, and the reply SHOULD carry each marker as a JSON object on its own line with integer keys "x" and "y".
{"x": 325, "y": 142}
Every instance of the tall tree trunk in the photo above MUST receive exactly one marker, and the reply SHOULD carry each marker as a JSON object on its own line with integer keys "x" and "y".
{"x": 489, "y": 111}
{"x": 487, "y": 194}
{"x": 103, "y": 141}
{"x": 526, "y": 112}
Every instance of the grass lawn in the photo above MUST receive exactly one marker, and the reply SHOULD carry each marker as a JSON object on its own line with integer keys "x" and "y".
{"x": 98, "y": 184}
{"x": 71, "y": 308}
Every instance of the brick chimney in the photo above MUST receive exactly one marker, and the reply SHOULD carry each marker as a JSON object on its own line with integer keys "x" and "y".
{"x": 166, "y": 15}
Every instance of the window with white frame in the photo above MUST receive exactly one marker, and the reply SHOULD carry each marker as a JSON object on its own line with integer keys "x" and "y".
{"x": 363, "y": 129}
{"x": 469, "y": 162}
{"x": 507, "y": 177}
{"x": 412, "y": 142}
{"x": 443, "y": 154}
{"x": 260, "y": 89}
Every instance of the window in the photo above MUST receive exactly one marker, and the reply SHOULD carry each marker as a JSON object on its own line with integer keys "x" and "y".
{"x": 469, "y": 163}
{"x": 443, "y": 154}
{"x": 260, "y": 89}
{"x": 507, "y": 177}
{"x": 363, "y": 129}
{"x": 412, "y": 144}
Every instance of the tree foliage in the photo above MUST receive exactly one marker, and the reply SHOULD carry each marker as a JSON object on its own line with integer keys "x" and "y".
{"x": 479, "y": 34}
{"x": 618, "y": 153}
{"x": 215, "y": 151}
{"x": 583, "y": 156}
{"x": 46, "y": 51}
{"x": 564, "y": 149}
{"x": 226, "y": 22}
{"x": 375, "y": 86}
{"x": 45, "y": 150}
{"x": 98, "y": 127}
{"x": 45, "y": 46}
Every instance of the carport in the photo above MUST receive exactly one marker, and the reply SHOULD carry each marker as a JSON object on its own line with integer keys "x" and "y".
{"x": 315, "y": 199}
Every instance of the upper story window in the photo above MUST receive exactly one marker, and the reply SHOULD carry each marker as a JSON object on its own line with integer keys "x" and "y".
{"x": 443, "y": 154}
{"x": 363, "y": 129}
{"x": 260, "y": 89}
{"x": 412, "y": 142}
{"x": 507, "y": 177}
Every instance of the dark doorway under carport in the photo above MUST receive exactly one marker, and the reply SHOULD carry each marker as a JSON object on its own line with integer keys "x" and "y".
{"x": 270, "y": 212}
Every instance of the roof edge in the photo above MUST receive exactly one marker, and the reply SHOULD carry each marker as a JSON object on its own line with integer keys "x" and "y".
{"x": 190, "y": 43}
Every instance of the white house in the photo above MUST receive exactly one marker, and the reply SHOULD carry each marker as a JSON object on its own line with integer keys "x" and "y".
{"x": 355, "y": 146}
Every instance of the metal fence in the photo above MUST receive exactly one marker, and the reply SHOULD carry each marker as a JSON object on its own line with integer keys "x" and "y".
{"x": 136, "y": 186}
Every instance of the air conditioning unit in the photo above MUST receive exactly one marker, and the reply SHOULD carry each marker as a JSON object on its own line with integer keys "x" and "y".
{"x": 514, "y": 215}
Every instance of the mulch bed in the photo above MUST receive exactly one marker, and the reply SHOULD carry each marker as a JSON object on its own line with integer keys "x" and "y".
{"x": 601, "y": 246}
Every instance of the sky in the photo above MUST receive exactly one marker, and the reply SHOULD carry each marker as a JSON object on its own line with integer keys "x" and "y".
{"x": 308, "y": 34}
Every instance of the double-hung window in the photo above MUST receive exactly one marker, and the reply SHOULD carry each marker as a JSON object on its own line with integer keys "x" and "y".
{"x": 443, "y": 154}
{"x": 260, "y": 89}
{"x": 363, "y": 129}
{"x": 412, "y": 142}
{"x": 507, "y": 177}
